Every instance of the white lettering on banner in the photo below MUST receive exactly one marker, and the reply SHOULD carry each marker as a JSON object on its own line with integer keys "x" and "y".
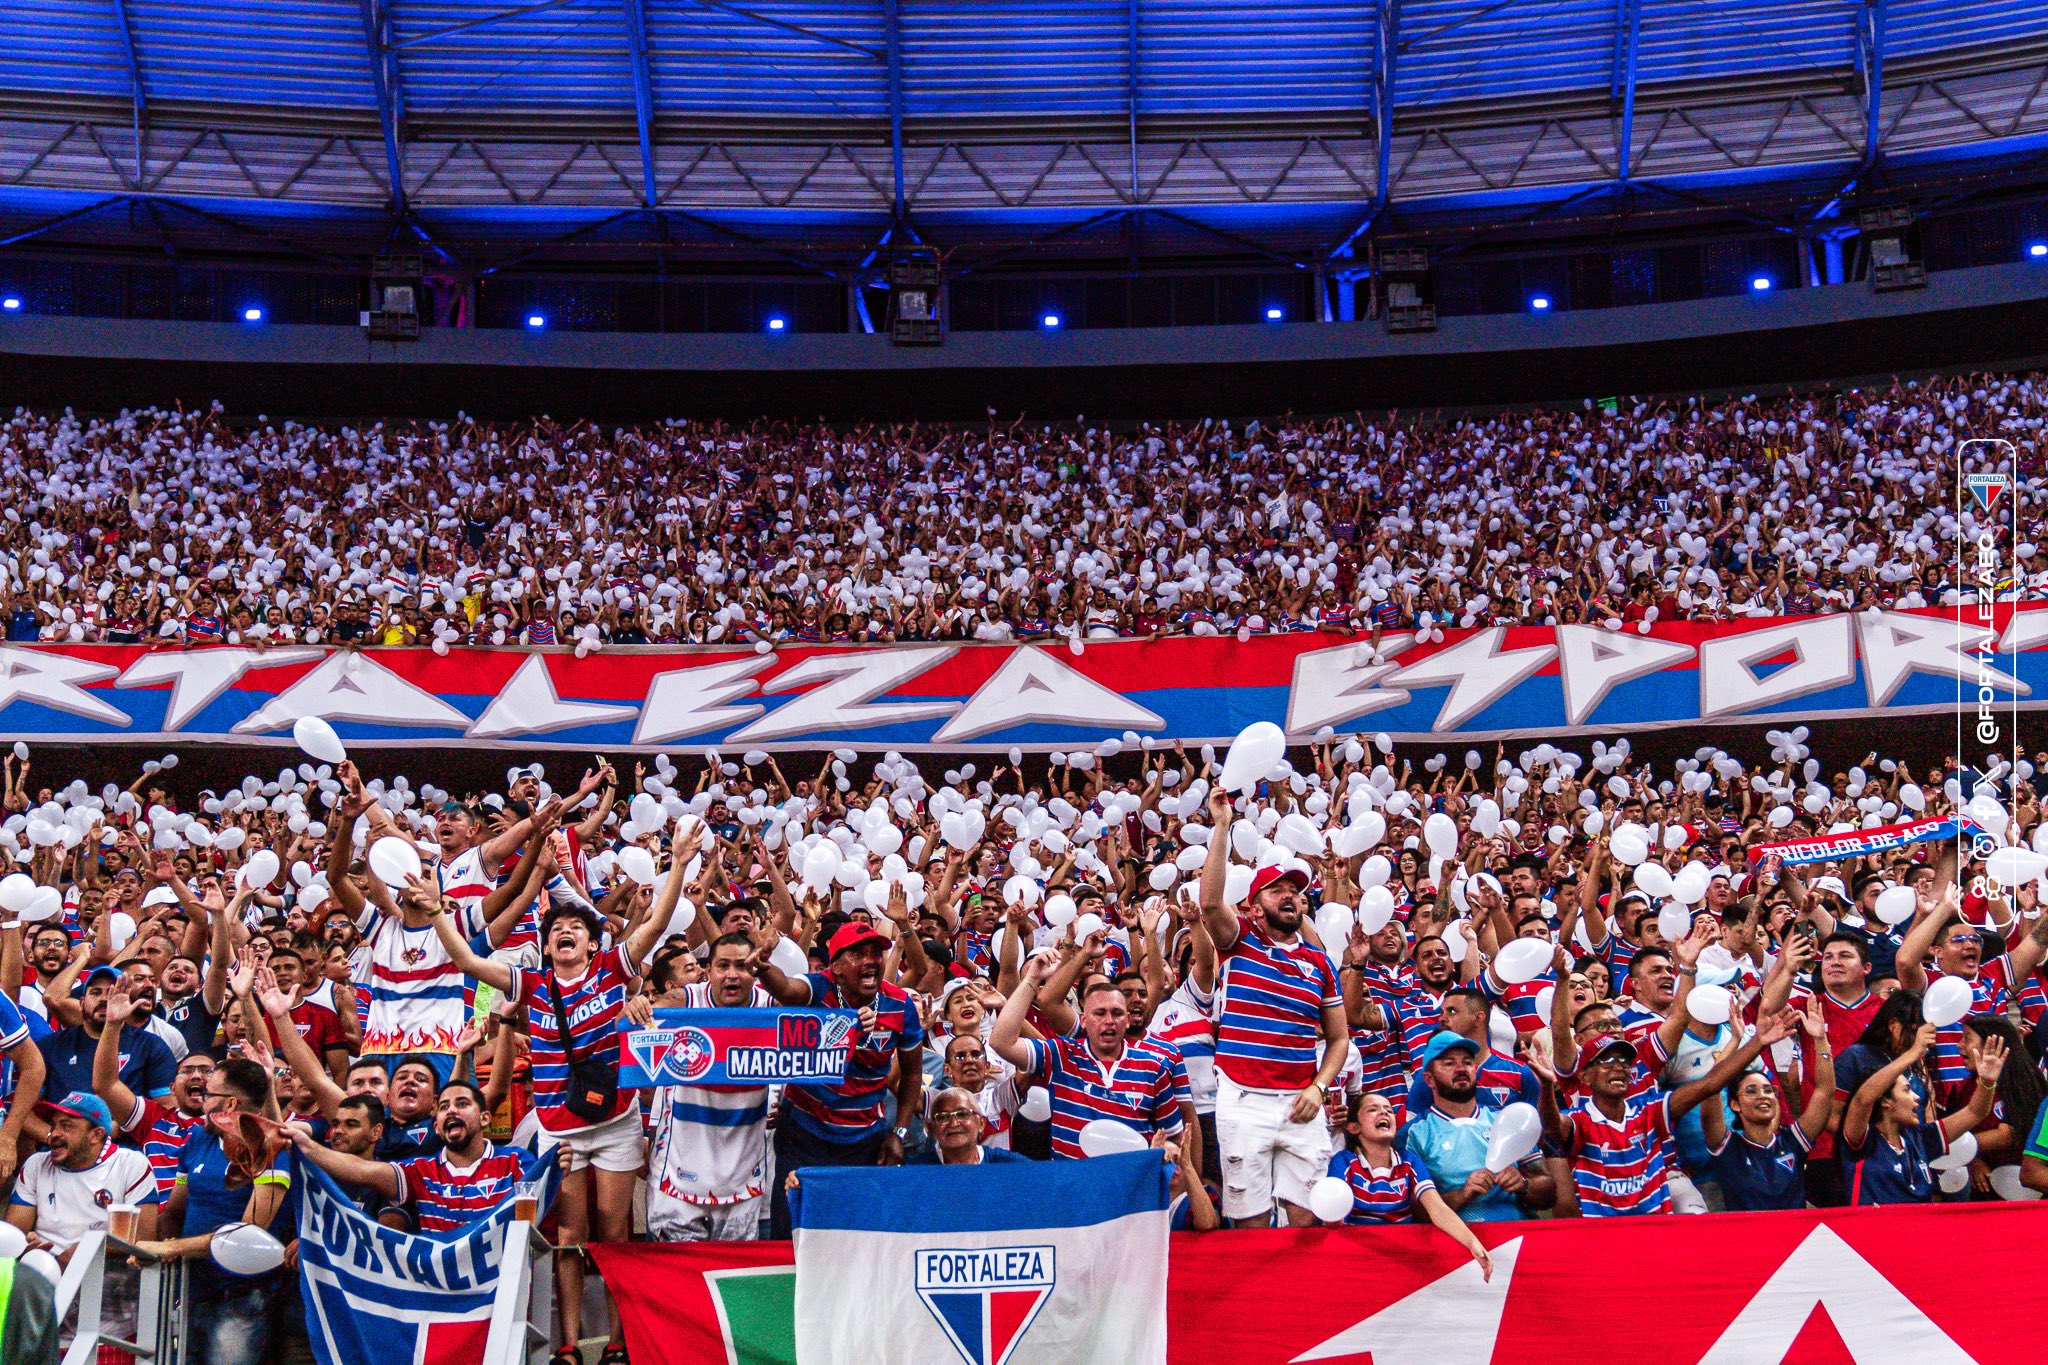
{"x": 199, "y": 676}
{"x": 1332, "y": 686}
{"x": 691, "y": 701}
{"x": 1593, "y": 661}
{"x": 2026, "y": 630}
{"x": 1033, "y": 687}
{"x": 1452, "y": 1320}
{"x": 352, "y": 686}
{"x": 57, "y": 681}
{"x": 849, "y": 681}
{"x": 1876, "y": 1321}
{"x": 1824, "y": 652}
{"x": 529, "y": 705}
{"x": 1897, "y": 645}
{"x": 1477, "y": 670}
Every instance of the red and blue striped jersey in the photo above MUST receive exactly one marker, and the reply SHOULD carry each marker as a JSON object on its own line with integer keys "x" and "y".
{"x": 593, "y": 1004}
{"x": 445, "y": 1196}
{"x": 1519, "y": 999}
{"x": 1618, "y": 953}
{"x": 1142, "y": 1088}
{"x": 1990, "y": 993}
{"x": 1412, "y": 1013}
{"x": 162, "y": 1132}
{"x": 1274, "y": 995}
{"x": 1619, "y": 1168}
{"x": 851, "y": 1110}
{"x": 1501, "y": 1081}
{"x": 1380, "y": 1194}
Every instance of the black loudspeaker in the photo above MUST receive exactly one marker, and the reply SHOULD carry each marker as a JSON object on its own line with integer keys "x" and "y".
{"x": 917, "y": 301}
{"x": 396, "y": 288}
{"x": 1407, "y": 291}
{"x": 1892, "y": 240}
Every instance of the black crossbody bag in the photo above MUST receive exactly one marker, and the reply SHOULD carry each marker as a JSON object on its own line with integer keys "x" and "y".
{"x": 593, "y": 1083}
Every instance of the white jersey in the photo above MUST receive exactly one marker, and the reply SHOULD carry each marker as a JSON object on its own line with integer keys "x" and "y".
{"x": 1186, "y": 1020}
{"x": 69, "y": 1204}
{"x": 997, "y": 1100}
{"x": 416, "y": 993}
{"x": 710, "y": 1142}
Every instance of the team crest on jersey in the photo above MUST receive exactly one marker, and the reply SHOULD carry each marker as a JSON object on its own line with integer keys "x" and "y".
{"x": 985, "y": 1298}
{"x": 412, "y": 957}
{"x": 689, "y": 1056}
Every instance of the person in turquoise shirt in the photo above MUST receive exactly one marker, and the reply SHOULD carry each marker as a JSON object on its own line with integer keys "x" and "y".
{"x": 1450, "y": 1140}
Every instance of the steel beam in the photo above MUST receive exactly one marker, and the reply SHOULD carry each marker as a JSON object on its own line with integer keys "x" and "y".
{"x": 384, "y": 79}
{"x": 1870, "y": 27}
{"x": 643, "y": 94}
{"x": 1131, "y": 91}
{"x": 893, "y": 33}
{"x": 134, "y": 82}
{"x": 1628, "y": 30}
{"x": 1388, "y": 15}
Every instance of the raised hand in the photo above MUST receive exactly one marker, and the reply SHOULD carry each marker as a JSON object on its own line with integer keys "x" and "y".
{"x": 1990, "y": 1061}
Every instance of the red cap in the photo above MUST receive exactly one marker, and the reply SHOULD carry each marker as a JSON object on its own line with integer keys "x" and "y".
{"x": 851, "y": 936}
{"x": 1266, "y": 876}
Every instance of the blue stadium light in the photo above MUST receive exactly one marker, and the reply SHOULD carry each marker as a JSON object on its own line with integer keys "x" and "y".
{"x": 1761, "y": 284}
{"x": 1275, "y": 314}
{"x": 777, "y": 324}
{"x": 252, "y": 315}
{"x": 535, "y": 320}
{"x": 11, "y": 304}
{"x": 1541, "y": 303}
{"x": 1051, "y": 320}
{"x": 2037, "y": 249}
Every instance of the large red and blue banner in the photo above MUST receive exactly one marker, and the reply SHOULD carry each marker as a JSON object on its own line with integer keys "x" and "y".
{"x": 1494, "y": 682}
{"x": 1928, "y": 1283}
{"x": 739, "y": 1047}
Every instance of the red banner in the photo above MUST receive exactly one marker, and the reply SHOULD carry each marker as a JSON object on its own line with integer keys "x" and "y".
{"x": 1936, "y": 1285}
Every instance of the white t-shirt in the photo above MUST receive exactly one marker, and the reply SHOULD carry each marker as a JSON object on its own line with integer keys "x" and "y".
{"x": 710, "y": 1142}
{"x": 69, "y": 1204}
{"x": 997, "y": 1100}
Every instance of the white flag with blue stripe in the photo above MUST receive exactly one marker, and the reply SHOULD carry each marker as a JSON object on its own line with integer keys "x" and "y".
{"x": 984, "y": 1265}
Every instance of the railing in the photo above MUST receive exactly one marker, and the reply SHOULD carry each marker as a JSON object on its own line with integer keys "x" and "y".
{"x": 523, "y": 1314}
{"x": 160, "y": 1309}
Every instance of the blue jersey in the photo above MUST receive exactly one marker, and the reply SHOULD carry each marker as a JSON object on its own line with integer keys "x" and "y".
{"x": 147, "y": 1066}
{"x": 1380, "y": 1195}
{"x": 1753, "y": 1178}
{"x": 212, "y": 1202}
{"x": 852, "y": 1110}
{"x": 1142, "y": 1088}
{"x": 1878, "y": 1173}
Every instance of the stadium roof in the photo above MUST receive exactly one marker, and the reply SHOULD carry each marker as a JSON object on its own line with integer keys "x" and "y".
{"x": 795, "y": 127}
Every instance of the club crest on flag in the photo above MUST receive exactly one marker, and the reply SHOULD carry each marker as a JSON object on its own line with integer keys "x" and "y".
{"x": 1987, "y": 489}
{"x": 689, "y": 1056}
{"x": 985, "y": 1298}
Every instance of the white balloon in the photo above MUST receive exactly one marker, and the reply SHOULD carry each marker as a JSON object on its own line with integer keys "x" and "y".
{"x": 1514, "y": 1136}
{"x": 120, "y": 930}
{"x": 318, "y": 739}
{"x": 1037, "y": 1106}
{"x": 245, "y": 1249}
{"x": 394, "y": 860}
{"x": 1953, "y": 1180}
{"x": 1253, "y": 755}
{"x": 1375, "y": 909}
{"x": 1162, "y": 877}
{"x": 1710, "y": 1004}
{"x": 1329, "y": 1199}
{"x": 787, "y": 958}
{"x": 637, "y": 864}
{"x": 46, "y": 904}
{"x": 1059, "y": 910}
{"x": 1090, "y": 923}
{"x": 821, "y": 865}
{"x": 1522, "y": 960}
{"x": 1440, "y": 835}
{"x": 1960, "y": 1153}
{"x": 1896, "y": 904}
{"x": 1101, "y": 1137}
{"x": 1689, "y": 887}
{"x": 17, "y": 889}
{"x": 262, "y": 869}
{"x": 1654, "y": 880}
{"x": 1674, "y": 921}
{"x": 2005, "y": 1180}
{"x": 1628, "y": 847}
{"x": 1912, "y": 798}
{"x": 1375, "y": 871}
{"x": 1947, "y": 1000}
{"x": 13, "y": 1241}
{"x": 1237, "y": 884}
{"x": 2011, "y": 866}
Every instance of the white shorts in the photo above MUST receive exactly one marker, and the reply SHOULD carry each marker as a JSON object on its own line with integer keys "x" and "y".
{"x": 675, "y": 1220}
{"x": 614, "y": 1145}
{"x": 1264, "y": 1157}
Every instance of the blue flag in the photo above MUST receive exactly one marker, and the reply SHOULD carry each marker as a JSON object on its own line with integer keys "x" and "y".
{"x": 768, "y": 1046}
{"x": 378, "y": 1296}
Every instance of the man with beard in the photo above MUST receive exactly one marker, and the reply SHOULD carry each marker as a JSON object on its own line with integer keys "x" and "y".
{"x": 66, "y": 1191}
{"x": 845, "y": 1123}
{"x": 459, "y": 1185}
{"x": 139, "y": 977}
{"x": 1392, "y": 1007}
{"x": 161, "y": 1126}
{"x": 146, "y": 1067}
{"x": 1450, "y": 1136}
{"x": 407, "y": 1090}
{"x": 47, "y": 950}
{"x": 1279, "y": 1001}
{"x": 358, "y": 1131}
{"x": 707, "y": 1166}
{"x": 1501, "y": 1081}
{"x": 1943, "y": 944}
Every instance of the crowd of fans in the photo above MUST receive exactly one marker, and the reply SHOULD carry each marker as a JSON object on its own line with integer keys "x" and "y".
{"x": 1342, "y": 977}
{"x": 190, "y": 526}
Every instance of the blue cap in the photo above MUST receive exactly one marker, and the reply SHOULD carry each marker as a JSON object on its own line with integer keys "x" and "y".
{"x": 103, "y": 969}
{"x": 80, "y": 1105}
{"x": 1442, "y": 1041}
